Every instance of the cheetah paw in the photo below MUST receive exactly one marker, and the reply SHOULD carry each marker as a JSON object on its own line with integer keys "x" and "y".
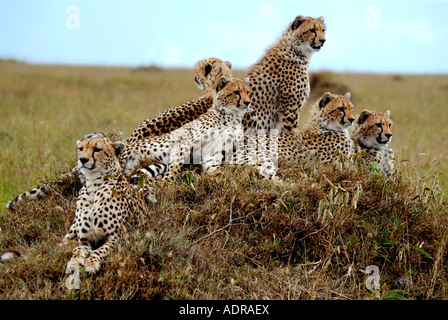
{"x": 74, "y": 264}
{"x": 92, "y": 266}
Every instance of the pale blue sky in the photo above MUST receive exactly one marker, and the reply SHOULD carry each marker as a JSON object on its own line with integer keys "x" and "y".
{"x": 362, "y": 36}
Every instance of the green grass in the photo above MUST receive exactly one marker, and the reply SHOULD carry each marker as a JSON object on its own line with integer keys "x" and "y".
{"x": 227, "y": 235}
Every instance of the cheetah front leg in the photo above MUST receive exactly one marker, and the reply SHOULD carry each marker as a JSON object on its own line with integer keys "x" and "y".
{"x": 78, "y": 258}
{"x": 177, "y": 159}
{"x": 83, "y": 206}
{"x": 93, "y": 262}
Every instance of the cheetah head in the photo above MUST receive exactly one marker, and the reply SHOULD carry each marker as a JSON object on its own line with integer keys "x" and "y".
{"x": 374, "y": 128}
{"x": 232, "y": 96}
{"x": 336, "y": 111}
{"x": 207, "y": 73}
{"x": 307, "y": 34}
{"x": 98, "y": 156}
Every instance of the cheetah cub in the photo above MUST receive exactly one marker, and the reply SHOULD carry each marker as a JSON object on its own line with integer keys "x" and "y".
{"x": 325, "y": 134}
{"x": 105, "y": 203}
{"x": 205, "y": 139}
{"x": 372, "y": 133}
{"x": 210, "y": 140}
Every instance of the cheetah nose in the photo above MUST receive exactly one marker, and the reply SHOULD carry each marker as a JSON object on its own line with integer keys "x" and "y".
{"x": 388, "y": 135}
{"x": 351, "y": 119}
{"x": 247, "y": 103}
{"x": 83, "y": 160}
{"x": 322, "y": 41}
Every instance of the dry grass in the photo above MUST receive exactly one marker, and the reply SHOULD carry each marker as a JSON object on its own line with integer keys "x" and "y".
{"x": 227, "y": 235}
{"x": 233, "y": 236}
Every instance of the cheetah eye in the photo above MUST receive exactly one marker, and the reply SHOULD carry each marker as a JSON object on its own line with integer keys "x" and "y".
{"x": 313, "y": 31}
{"x": 80, "y": 148}
{"x": 378, "y": 125}
{"x": 97, "y": 150}
{"x": 236, "y": 92}
{"x": 390, "y": 125}
{"x": 341, "y": 109}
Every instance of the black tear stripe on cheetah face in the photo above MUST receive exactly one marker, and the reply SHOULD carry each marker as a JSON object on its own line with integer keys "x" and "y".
{"x": 105, "y": 203}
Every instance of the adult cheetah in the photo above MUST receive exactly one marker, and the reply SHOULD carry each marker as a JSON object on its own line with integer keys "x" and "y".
{"x": 105, "y": 203}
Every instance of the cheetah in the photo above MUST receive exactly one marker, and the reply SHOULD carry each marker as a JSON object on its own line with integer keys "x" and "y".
{"x": 104, "y": 204}
{"x": 206, "y": 139}
{"x": 372, "y": 134}
{"x": 207, "y": 74}
{"x": 325, "y": 135}
{"x": 279, "y": 81}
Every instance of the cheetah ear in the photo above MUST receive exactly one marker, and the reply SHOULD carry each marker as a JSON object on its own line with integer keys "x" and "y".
{"x": 77, "y": 142}
{"x": 247, "y": 80}
{"x": 118, "y": 146}
{"x": 388, "y": 113}
{"x": 297, "y": 22}
{"x": 321, "y": 19}
{"x": 324, "y": 100}
{"x": 363, "y": 116}
{"x": 207, "y": 69}
{"x": 228, "y": 64}
{"x": 222, "y": 82}
{"x": 348, "y": 95}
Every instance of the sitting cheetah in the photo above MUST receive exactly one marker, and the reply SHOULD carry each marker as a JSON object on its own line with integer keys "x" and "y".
{"x": 207, "y": 74}
{"x": 279, "y": 81}
{"x": 214, "y": 134}
{"x": 325, "y": 135}
{"x": 372, "y": 134}
{"x": 105, "y": 203}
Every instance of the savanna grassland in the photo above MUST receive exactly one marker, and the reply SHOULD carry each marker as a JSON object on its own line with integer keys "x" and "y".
{"x": 229, "y": 235}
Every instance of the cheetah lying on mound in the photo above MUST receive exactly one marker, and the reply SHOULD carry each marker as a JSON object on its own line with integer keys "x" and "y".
{"x": 207, "y": 139}
{"x": 372, "y": 133}
{"x": 326, "y": 133}
{"x": 105, "y": 203}
{"x": 207, "y": 74}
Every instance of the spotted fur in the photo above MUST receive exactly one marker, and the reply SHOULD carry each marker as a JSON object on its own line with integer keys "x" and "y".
{"x": 279, "y": 81}
{"x": 213, "y": 134}
{"x": 104, "y": 204}
{"x": 207, "y": 74}
{"x": 372, "y": 134}
{"x": 324, "y": 136}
